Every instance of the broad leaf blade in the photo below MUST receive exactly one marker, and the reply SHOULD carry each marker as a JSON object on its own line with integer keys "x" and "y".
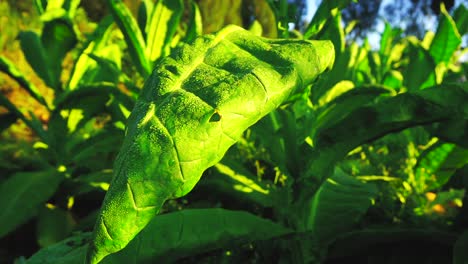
{"x": 197, "y": 104}
{"x": 188, "y": 232}
{"x": 338, "y": 205}
{"x": 172, "y": 236}
{"x": 22, "y": 194}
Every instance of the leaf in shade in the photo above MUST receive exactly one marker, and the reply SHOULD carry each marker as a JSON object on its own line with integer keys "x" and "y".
{"x": 338, "y": 205}
{"x": 58, "y": 37}
{"x": 6, "y": 120}
{"x": 173, "y": 236}
{"x": 22, "y": 194}
{"x": 37, "y": 56}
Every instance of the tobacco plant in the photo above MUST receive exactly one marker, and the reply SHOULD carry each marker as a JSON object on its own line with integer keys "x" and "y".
{"x": 197, "y": 104}
{"x": 76, "y": 130}
{"x": 269, "y": 129}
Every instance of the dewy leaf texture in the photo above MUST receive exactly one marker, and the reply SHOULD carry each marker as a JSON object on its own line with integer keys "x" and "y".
{"x": 194, "y": 106}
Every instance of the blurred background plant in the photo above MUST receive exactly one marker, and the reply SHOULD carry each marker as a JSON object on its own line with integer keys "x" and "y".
{"x": 70, "y": 72}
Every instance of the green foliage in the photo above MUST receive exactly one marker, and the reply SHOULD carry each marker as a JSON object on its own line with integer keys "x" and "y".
{"x": 23, "y": 193}
{"x": 76, "y": 137}
{"x": 314, "y": 151}
{"x": 146, "y": 43}
{"x": 340, "y": 197}
{"x": 197, "y": 104}
{"x": 192, "y": 231}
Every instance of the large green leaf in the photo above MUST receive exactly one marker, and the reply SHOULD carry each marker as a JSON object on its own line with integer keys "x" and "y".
{"x": 22, "y": 194}
{"x": 133, "y": 36}
{"x": 161, "y": 28}
{"x": 338, "y": 205}
{"x": 173, "y": 236}
{"x": 197, "y": 104}
{"x": 188, "y": 232}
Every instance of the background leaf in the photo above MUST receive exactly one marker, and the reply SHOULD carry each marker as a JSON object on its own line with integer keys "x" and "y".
{"x": 161, "y": 28}
{"x": 338, "y": 205}
{"x": 58, "y": 37}
{"x": 37, "y": 57}
{"x": 173, "y": 236}
{"x": 133, "y": 36}
{"x": 446, "y": 40}
{"x": 193, "y": 231}
{"x": 22, "y": 194}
